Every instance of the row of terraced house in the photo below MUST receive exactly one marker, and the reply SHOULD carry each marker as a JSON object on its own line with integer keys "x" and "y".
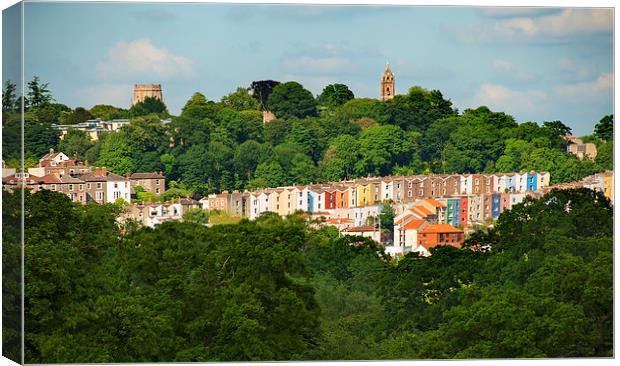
{"x": 81, "y": 182}
{"x": 365, "y": 192}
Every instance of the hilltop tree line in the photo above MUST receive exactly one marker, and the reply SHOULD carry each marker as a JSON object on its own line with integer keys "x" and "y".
{"x": 538, "y": 284}
{"x": 214, "y": 146}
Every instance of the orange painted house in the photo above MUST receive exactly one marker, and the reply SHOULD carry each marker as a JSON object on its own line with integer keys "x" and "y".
{"x": 434, "y": 235}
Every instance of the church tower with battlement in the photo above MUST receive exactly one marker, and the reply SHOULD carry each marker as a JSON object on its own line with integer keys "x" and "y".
{"x": 387, "y": 84}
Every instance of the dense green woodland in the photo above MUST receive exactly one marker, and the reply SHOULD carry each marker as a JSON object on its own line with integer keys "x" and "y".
{"x": 214, "y": 146}
{"x": 539, "y": 284}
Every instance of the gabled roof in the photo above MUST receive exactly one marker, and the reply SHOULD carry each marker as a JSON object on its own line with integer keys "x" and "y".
{"x": 92, "y": 177}
{"x": 434, "y": 202}
{"x": 48, "y": 179}
{"x": 51, "y": 155}
{"x": 360, "y": 229}
{"x": 65, "y": 178}
{"x": 421, "y": 211}
{"x": 414, "y": 224}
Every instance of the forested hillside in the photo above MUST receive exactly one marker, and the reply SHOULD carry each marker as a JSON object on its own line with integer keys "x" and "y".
{"x": 539, "y": 284}
{"x": 214, "y": 146}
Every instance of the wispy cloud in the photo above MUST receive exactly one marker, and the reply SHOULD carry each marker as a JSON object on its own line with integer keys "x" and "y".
{"x": 600, "y": 88}
{"x": 503, "y": 98}
{"x": 142, "y": 58}
{"x": 502, "y": 65}
{"x": 548, "y": 28}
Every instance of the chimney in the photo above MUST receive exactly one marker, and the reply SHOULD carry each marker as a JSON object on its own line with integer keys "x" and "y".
{"x": 51, "y": 151}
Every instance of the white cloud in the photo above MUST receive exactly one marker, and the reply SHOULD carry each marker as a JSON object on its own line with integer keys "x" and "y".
{"x": 142, "y": 58}
{"x": 502, "y": 98}
{"x": 566, "y": 23}
{"x": 118, "y": 95}
{"x": 502, "y": 65}
{"x": 590, "y": 90}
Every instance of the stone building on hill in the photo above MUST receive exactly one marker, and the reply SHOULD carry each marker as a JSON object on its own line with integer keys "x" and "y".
{"x": 143, "y": 91}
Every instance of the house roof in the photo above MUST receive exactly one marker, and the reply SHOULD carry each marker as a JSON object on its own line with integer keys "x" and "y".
{"x": 338, "y": 220}
{"x": 360, "y": 229}
{"x": 12, "y": 178}
{"x": 421, "y": 211}
{"x": 434, "y": 202}
{"x": 397, "y": 222}
{"x": 92, "y": 177}
{"x": 440, "y": 228}
{"x": 321, "y": 213}
{"x": 65, "y": 178}
{"x": 50, "y": 155}
{"x": 414, "y": 224}
{"x": 48, "y": 179}
{"x": 148, "y": 175}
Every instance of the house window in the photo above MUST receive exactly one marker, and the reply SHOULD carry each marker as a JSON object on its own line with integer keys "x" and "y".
{"x": 81, "y": 187}
{"x": 157, "y": 190}
{"x": 99, "y": 196}
{"x": 157, "y": 181}
{"x": 53, "y": 187}
{"x": 88, "y": 185}
{"x": 70, "y": 187}
{"x": 115, "y": 185}
{"x": 98, "y": 185}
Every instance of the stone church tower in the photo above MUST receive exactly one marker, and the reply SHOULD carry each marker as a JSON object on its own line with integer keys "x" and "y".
{"x": 142, "y": 91}
{"x": 387, "y": 84}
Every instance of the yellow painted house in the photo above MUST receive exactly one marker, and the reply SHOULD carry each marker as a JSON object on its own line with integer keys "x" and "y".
{"x": 364, "y": 194}
{"x": 282, "y": 202}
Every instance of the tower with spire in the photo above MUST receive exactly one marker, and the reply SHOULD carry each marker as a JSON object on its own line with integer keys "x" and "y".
{"x": 387, "y": 83}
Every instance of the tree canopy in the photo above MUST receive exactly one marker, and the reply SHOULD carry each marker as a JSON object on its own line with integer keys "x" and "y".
{"x": 291, "y": 100}
{"x": 538, "y": 284}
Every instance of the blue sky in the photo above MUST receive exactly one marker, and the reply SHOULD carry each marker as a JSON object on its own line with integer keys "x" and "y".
{"x": 536, "y": 64}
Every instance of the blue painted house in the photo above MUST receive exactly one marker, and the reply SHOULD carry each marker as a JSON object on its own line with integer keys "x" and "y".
{"x": 495, "y": 205}
{"x": 532, "y": 181}
{"x": 453, "y": 211}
